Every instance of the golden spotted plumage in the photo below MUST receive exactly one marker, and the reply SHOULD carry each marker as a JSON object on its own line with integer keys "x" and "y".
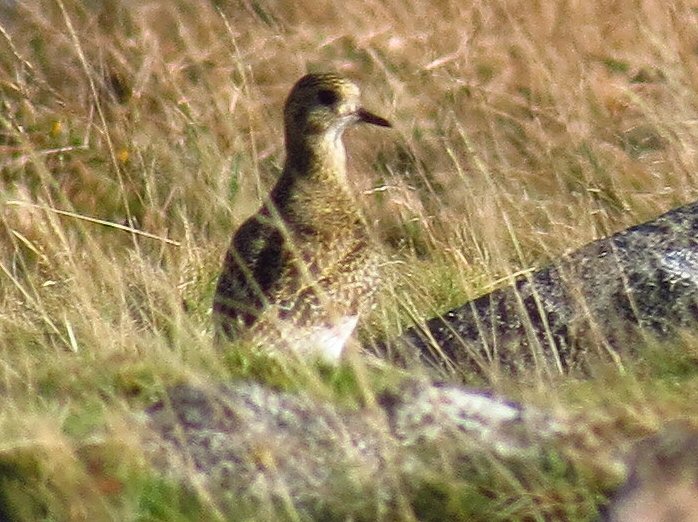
{"x": 300, "y": 270}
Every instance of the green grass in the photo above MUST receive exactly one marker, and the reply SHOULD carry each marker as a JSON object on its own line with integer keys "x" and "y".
{"x": 521, "y": 132}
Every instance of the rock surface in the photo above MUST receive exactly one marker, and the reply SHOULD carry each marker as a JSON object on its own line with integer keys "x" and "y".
{"x": 246, "y": 443}
{"x": 597, "y": 300}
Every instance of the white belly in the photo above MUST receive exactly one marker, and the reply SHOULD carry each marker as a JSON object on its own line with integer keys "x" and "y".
{"x": 324, "y": 342}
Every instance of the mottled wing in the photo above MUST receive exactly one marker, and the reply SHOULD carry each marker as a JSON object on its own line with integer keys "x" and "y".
{"x": 254, "y": 265}
{"x": 334, "y": 290}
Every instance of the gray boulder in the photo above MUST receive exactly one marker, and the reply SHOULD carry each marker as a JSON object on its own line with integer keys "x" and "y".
{"x": 282, "y": 455}
{"x": 600, "y": 300}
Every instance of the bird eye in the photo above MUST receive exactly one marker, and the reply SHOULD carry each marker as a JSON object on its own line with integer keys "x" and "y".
{"x": 327, "y": 97}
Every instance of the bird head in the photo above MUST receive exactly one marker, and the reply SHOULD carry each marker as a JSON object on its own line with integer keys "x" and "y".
{"x": 323, "y": 105}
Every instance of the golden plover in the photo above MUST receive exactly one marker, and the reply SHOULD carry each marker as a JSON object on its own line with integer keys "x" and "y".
{"x": 298, "y": 272}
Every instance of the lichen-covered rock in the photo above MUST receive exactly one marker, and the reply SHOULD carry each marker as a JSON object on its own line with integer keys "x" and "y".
{"x": 250, "y": 442}
{"x": 246, "y": 444}
{"x": 598, "y": 300}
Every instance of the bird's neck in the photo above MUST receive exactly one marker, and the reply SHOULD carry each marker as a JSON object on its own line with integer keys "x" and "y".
{"x": 319, "y": 157}
{"x": 313, "y": 191}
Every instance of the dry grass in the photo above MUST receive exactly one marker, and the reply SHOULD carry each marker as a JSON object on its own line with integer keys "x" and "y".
{"x": 522, "y": 130}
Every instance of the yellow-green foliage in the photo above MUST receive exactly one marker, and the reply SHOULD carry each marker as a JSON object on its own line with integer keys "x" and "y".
{"x": 136, "y": 135}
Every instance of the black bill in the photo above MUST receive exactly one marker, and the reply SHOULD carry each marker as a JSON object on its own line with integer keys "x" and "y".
{"x": 369, "y": 117}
